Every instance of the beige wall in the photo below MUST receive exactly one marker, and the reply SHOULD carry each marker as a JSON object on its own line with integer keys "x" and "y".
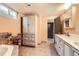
{"x": 42, "y": 29}
{"x": 77, "y": 18}
{"x": 10, "y": 25}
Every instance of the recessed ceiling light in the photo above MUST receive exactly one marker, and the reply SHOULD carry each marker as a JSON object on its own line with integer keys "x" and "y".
{"x": 28, "y": 4}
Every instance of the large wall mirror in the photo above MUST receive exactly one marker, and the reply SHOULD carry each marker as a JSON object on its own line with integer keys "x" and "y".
{"x": 68, "y": 18}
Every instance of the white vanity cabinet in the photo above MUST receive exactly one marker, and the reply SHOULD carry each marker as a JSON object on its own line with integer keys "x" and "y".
{"x": 59, "y": 45}
{"x": 62, "y": 48}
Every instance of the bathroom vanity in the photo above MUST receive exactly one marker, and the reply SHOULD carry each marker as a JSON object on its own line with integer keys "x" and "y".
{"x": 67, "y": 45}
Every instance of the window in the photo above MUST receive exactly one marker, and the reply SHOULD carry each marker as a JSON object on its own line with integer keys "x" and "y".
{"x": 5, "y": 11}
{"x": 12, "y": 14}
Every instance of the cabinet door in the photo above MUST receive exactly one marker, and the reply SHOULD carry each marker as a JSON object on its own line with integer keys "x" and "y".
{"x": 32, "y": 24}
{"x": 68, "y": 50}
{"x": 25, "y": 24}
{"x": 57, "y": 44}
{"x": 61, "y": 47}
{"x": 29, "y": 24}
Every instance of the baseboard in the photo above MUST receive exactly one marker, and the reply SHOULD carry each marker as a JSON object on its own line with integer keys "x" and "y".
{"x": 43, "y": 41}
{"x": 28, "y": 46}
{"x": 38, "y": 43}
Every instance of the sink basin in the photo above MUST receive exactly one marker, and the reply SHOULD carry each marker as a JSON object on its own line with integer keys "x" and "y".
{"x": 76, "y": 43}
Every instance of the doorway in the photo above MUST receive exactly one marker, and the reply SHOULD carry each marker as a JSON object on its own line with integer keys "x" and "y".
{"x": 50, "y": 30}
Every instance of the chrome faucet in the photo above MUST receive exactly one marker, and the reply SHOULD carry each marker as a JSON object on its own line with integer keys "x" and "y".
{"x": 67, "y": 34}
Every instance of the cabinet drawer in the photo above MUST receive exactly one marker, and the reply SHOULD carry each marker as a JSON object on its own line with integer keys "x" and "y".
{"x": 76, "y": 54}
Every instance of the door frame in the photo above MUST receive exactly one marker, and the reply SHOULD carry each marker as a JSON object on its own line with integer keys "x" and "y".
{"x": 21, "y": 29}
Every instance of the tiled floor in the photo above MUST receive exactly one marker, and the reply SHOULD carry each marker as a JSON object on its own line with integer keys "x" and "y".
{"x": 44, "y": 49}
{"x": 50, "y": 40}
{"x": 53, "y": 50}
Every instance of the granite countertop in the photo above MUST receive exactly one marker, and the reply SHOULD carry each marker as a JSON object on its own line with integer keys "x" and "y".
{"x": 70, "y": 40}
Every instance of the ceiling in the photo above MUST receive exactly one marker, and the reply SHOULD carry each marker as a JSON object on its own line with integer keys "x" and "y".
{"x": 47, "y": 9}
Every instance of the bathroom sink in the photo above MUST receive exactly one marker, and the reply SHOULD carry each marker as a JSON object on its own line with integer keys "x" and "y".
{"x": 76, "y": 43}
